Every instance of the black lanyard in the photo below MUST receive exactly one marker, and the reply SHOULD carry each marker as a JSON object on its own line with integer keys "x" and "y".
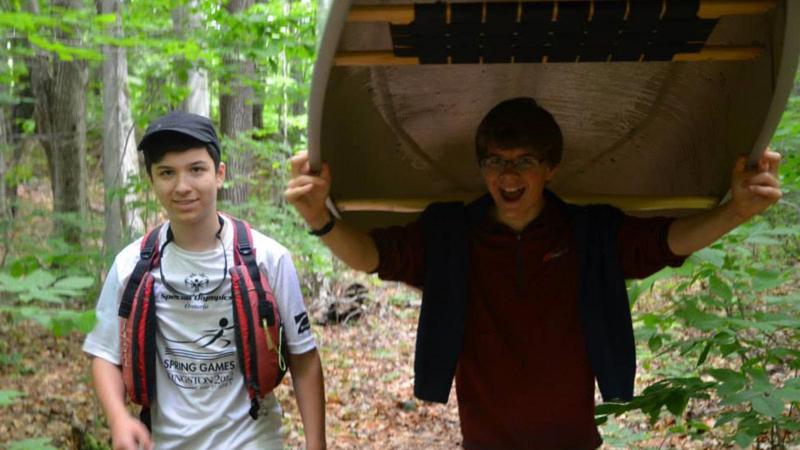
{"x": 170, "y": 238}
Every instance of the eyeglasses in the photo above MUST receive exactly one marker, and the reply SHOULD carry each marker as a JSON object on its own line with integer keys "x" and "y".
{"x": 521, "y": 164}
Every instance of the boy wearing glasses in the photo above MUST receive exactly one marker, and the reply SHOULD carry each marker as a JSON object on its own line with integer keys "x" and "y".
{"x": 200, "y": 399}
{"x": 524, "y": 300}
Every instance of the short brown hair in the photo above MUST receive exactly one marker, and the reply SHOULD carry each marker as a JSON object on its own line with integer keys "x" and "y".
{"x": 520, "y": 123}
{"x": 173, "y": 141}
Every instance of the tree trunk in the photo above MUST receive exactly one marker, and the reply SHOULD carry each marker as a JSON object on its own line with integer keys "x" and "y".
{"x": 5, "y": 145}
{"x": 236, "y": 118}
{"x": 120, "y": 160}
{"x": 199, "y": 99}
{"x": 59, "y": 88}
{"x": 258, "y": 116}
{"x": 21, "y": 142}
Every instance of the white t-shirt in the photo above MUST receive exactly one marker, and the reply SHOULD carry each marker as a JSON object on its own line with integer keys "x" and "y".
{"x": 201, "y": 401}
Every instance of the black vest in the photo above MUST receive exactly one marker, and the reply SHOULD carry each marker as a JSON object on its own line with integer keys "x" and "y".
{"x": 602, "y": 297}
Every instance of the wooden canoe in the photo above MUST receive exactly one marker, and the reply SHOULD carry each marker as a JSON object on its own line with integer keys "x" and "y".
{"x": 655, "y": 97}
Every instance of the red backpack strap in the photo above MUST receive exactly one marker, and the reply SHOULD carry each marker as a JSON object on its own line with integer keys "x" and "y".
{"x": 148, "y": 258}
{"x": 138, "y": 345}
{"x": 137, "y": 312}
{"x": 244, "y": 253}
{"x": 259, "y": 335}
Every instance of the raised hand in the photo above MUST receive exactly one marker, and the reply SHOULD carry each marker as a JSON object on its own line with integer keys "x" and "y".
{"x": 754, "y": 190}
{"x": 308, "y": 191}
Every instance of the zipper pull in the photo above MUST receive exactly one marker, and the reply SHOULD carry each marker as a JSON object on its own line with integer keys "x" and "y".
{"x": 270, "y": 343}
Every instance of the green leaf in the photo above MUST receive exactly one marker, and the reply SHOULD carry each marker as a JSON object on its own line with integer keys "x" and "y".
{"x": 727, "y": 375}
{"x": 727, "y": 349}
{"x": 739, "y": 397}
{"x": 699, "y": 319}
{"x": 8, "y": 397}
{"x": 638, "y": 287}
{"x": 11, "y": 284}
{"x": 32, "y": 444}
{"x": 728, "y": 389}
{"x": 788, "y": 394}
{"x": 760, "y": 239}
{"x": 793, "y": 383}
{"x": 726, "y": 418}
{"x": 754, "y": 324}
{"x": 761, "y": 381}
{"x": 44, "y": 295}
{"x": 677, "y": 401}
{"x": 743, "y": 439}
{"x": 765, "y": 279}
{"x": 720, "y": 288}
{"x": 698, "y": 426}
{"x": 704, "y": 354}
{"x": 654, "y": 343}
{"x": 784, "y": 320}
{"x": 60, "y": 321}
{"x": 41, "y": 278}
{"x": 37, "y": 315}
{"x": 711, "y": 256}
{"x": 606, "y": 409}
{"x": 105, "y": 19}
{"x": 65, "y": 321}
{"x": 769, "y": 406}
{"x": 791, "y": 425}
{"x": 75, "y": 283}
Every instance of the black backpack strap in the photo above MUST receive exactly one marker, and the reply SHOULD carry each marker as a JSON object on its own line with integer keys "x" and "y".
{"x": 243, "y": 244}
{"x": 603, "y": 306}
{"x": 144, "y": 417}
{"x": 148, "y": 258}
{"x": 440, "y": 332}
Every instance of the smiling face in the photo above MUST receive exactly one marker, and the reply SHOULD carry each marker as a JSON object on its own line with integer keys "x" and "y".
{"x": 186, "y": 185}
{"x": 518, "y": 196}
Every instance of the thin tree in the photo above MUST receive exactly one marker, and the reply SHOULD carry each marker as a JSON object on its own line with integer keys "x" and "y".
{"x": 120, "y": 159}
{"x": 186, "y": 20}
{"x": 236, "y": 115}
{"x": 5, "y": 145}
{"x": 59, "y": 88}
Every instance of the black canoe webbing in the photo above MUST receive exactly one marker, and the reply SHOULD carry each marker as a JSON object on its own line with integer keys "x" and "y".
{"x": 505, "y": 32}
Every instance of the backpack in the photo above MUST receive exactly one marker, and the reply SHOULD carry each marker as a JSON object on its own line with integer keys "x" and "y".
{"x": 258, "y": 329}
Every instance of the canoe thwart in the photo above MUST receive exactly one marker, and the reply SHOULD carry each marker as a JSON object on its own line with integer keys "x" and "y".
{"x": 708, "y": 9}
{"x": 624, "y": 202}
{"x": 555, "y": 31}
{"x": 388, "y": 58}
{"x": 563, "y": 32}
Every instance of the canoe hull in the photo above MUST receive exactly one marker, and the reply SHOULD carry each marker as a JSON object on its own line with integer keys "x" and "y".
{"x": 652, "y": 129}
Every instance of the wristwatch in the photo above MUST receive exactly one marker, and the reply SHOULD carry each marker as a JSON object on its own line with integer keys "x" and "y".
{"x": 325, "y": 228}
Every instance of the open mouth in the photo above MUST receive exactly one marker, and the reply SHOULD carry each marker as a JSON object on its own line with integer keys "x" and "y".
{"x": 512, "y": 195}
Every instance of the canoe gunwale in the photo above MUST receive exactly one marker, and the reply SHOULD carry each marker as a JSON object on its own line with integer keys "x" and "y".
{"x": 783, "y": 82}
{"x": 630, "y": 203}
{"x": 326, "y": 52}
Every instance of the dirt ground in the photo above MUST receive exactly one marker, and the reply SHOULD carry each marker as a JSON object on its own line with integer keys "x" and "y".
{"x": 369, "y": 383}
{"x": 368, "y": 372}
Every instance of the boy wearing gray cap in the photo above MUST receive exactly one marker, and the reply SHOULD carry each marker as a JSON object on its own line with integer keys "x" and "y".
{"x": 199, "y": 319}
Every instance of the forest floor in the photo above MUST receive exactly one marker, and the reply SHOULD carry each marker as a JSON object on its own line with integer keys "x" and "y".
{"x": 368, "y": 375}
